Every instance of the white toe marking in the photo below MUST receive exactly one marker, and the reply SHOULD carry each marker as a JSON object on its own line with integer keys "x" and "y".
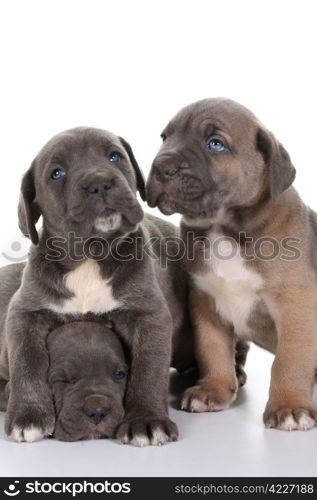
{"x": 16, "y": 434}
{"x": 32, "y": 434}
{"x": 140, "y": 440}
{"x": 125, "y": 439}
{"x": 184, "y": 404}
{"x": 159, "y": 437}
{"x": 289, "y": 424}
{"x": 198, "y": 406}
{"x": 305, "y": 422}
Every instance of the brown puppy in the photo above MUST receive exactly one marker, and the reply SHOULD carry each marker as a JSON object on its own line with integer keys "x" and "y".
{"x": 251, "y": 251}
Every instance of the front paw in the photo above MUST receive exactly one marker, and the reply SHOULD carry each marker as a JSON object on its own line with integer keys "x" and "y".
{"x": 287, "y": 418}
{"x": 209, "y": 395}
{"x": 29, "y": 422}
{"x": 145, "y": 431}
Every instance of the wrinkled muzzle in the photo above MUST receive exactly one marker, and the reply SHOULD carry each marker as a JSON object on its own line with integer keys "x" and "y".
{"x": 93, "y": 416}
{"x": 105, "y": 201}
{"x": 172, "y": 186}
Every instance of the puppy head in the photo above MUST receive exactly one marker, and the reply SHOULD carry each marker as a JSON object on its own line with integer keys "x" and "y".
{"x": 84, "y": 181}
{"x": 88, "y": 374}
{"x": 216, "y": 155}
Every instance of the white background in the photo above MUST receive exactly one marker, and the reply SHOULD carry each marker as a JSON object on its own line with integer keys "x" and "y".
{"x": 128, "y": 66}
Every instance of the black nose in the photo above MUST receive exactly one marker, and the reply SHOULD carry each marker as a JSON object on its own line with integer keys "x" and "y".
{"x": 99, "y": 186}
{"x": 96, "y": 408}
{"x": 164, "y": 171}
{"x": 97, "y": 414}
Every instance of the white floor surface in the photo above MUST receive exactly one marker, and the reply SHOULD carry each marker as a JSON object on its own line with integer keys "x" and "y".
{"x": 229, "y": 443}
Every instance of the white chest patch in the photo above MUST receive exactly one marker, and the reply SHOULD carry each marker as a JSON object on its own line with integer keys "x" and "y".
{"x": 91, "y": 292}
{"x": 231, "y": 283}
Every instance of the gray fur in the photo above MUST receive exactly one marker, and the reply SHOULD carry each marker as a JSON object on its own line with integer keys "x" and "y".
{"x": 153, "y": 299}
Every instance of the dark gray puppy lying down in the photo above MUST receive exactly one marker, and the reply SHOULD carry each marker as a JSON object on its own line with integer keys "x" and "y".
{"x": 87, "y": 374}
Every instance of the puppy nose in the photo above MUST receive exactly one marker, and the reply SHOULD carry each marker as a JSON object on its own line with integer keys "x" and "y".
{"x": 97, "y": 414}
{"x": 99, "y": 187}
{"x": 96, "y": 408}
{"x": 164, "y": 171}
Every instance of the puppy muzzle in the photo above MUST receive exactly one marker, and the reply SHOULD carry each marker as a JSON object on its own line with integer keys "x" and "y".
{"x": 107, "y": 193}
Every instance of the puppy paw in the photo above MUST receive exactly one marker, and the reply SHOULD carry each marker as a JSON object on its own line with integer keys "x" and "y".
{"x": 29, "y": 424}
{"x": 290, "y": 419}
{"x": 209, "y": 396}
{"x": 146, "y": 431}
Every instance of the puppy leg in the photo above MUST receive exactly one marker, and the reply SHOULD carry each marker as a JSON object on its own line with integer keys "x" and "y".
{"x": 242, "y": 349}
{"x": 290, "y": 404}
{"x": 30, "y": 414}
{"x": 4, "y": 394}
{"x": 215, "y": 353}
{"x": 146, "y": 421}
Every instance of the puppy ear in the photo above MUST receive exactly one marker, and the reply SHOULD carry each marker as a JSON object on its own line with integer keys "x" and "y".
{"x": 28, "y": 210}
{"x": 140, "y": 181}
{"x": 281, "y": 170}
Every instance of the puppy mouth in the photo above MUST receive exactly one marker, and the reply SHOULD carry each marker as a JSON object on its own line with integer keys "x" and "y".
{"x": 110, "y": 220}
{"x": 98, "y": 435}
{"x": 64, "y": 432}
{"x": 107, "y": 212}
{"x": 168, "y": 205}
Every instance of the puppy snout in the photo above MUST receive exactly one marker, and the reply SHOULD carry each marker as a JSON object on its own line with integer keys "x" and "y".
{"x": 97, "y": 414}
{"x": 164, "y": 170}
{"x": 99, "y": 186}
{"x": 96, "y": 408}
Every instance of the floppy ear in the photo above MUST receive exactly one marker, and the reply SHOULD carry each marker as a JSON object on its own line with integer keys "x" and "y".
{"x": 140, "y": 181}
{"x": 28, "y": 210}
{"x": 281, "y": 170}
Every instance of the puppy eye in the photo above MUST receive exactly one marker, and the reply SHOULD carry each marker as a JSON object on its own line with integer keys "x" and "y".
{"x": 163, "y": 136}
{"x": 66, "y": 381}
{"x": 216, "y": 145}
{"x": 115, "y": 156}
{"x": 119, "y": 375}
{"x": 58, "y": 173}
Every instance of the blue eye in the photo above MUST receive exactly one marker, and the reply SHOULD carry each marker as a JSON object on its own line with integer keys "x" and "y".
{"x": 216, "y": 145}
{"x": 119, "y": 375}
{"x": 58, "y": 173}
{"x": 115, "y": 156}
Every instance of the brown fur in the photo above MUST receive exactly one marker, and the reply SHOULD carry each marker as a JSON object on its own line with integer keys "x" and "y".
{"x": 245, "y": 188}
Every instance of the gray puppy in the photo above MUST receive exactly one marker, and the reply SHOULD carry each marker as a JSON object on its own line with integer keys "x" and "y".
{"x": 88, "y": 367}
{"x": 90, "y": 258}
{"x": 87, "y": 373}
